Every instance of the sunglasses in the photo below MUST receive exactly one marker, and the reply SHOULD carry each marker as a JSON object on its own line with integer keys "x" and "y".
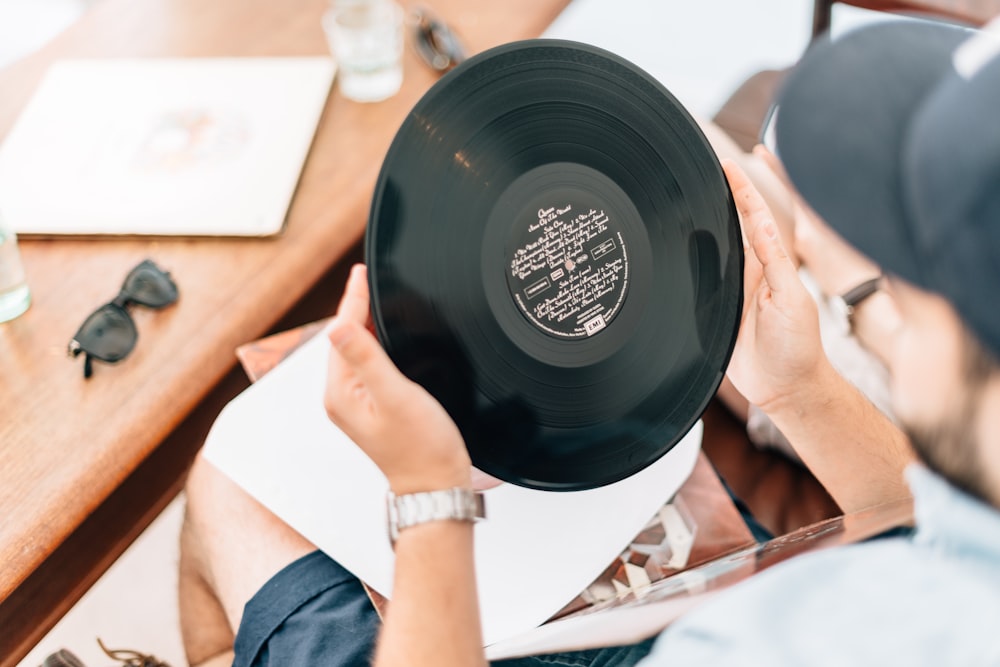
{"x": 109, "y": 333}
{"x": 435, "y": 42}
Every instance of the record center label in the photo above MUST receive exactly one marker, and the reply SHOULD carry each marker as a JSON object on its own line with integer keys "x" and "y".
{"x": 568, "y": 272}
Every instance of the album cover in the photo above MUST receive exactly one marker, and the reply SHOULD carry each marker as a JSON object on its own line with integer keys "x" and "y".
{"x": 162, "y": 146}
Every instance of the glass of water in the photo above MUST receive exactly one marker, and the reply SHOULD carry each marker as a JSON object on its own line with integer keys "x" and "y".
{"x": 366, "y": 38}
{"x": 14, "y": 294}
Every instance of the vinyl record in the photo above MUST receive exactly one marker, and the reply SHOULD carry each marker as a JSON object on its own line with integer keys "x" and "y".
{"x": 555, "y": 255}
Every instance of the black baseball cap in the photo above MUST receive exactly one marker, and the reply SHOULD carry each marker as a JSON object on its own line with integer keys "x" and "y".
{"x": 892, "y": 134}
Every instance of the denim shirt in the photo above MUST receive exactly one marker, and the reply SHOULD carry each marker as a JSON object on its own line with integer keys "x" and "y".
{"x": 929, "y": 599}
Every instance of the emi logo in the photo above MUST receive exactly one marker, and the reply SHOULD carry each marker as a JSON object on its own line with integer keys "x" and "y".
{"x": 594, "y": 325}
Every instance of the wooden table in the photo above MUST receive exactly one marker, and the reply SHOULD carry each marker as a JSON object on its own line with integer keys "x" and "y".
{"x": 86, "y": 464}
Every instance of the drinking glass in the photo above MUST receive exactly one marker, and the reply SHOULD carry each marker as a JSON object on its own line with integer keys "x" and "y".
{"x": 15, "y": 297}
{"x": 366, "y": 38}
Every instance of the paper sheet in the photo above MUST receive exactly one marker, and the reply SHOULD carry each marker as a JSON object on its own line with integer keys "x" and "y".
{"x": 535, "y": 552}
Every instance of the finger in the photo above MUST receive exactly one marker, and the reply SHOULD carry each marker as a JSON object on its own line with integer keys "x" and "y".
{"x": 750, "y": 205}
{"x": 355, "y": 305}
{"x": 343, "y": 388}
{"x": 753, "y": 212}
{"x": 482, "y": 481}
{"x": 753, "y": 275}
{"x": 348, "y": 406}
{"x": 748, "y": 325}
{"x": 752, "y": 270}
{"x": 366, "y": 360}
{"x": 779, "y": 270}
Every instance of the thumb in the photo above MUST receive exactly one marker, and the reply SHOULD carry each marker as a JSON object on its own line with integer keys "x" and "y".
{"x": 779, "y": 270}
{"x": 363, "y": 355}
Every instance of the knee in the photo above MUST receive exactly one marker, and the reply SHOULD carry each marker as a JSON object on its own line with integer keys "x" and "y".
{"x": 195, "y": 491}
{"x": 209, "y": 497}
{"x": 232, "y": 542}
{"x": 205, "y": 490}
{"x": 221, "y": 515}
{"x": 199, "y": 482}
{"x": 190, "y": 542}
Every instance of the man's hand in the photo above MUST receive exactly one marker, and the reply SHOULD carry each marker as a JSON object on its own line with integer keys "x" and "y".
{"x": 434, "y": 615}
{"x": 779, "y": 365}
{"x": 778, "y": 352}
{"x": 405, "y": 432}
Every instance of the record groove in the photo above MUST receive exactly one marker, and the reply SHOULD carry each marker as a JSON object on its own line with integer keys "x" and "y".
{"x": 555, "y": 255}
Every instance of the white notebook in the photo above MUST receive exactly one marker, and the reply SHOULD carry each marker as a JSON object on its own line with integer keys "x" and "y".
{"x": 163, "y": 146}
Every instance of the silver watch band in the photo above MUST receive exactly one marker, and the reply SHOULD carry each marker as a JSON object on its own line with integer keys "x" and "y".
{"x": 457, "y": 504}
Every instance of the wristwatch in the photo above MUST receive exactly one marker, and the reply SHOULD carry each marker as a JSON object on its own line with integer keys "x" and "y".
{"x": 847, "y": 302}
{"x": 412, "y": 509}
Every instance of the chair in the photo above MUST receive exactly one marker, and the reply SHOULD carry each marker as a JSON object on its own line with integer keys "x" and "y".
{"x": 743, "y": 113}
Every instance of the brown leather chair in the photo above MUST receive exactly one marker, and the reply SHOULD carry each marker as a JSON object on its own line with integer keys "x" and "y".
{"x": 781, "y": 494}
{"x": 971, "y": 12}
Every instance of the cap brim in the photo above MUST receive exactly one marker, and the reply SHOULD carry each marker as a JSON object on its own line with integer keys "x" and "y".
{"x": 844, "y": 113}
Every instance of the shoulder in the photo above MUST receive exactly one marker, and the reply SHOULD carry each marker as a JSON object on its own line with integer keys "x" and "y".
{"x": 885, "y": 602}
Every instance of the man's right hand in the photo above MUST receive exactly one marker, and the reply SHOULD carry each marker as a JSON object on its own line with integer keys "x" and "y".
{"x": 400, "y": 426}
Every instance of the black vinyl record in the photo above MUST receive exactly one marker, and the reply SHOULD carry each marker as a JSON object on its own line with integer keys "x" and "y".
{"x": 554, "y": 253}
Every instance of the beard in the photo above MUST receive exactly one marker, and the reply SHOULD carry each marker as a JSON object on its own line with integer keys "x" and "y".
{"x": 951, "y": 447}
{"x": 951, "y": 450}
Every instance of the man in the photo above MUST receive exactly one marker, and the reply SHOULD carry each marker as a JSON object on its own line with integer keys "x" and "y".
{"x": 898, "y": 149}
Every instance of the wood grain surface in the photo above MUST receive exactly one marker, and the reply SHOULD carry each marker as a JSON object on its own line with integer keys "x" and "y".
{"x": 67, "y": 443}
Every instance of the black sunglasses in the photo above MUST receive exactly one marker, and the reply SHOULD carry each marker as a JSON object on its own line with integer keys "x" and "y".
{"x": 435, "y": 42}
{"x": 109, "y": 333}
